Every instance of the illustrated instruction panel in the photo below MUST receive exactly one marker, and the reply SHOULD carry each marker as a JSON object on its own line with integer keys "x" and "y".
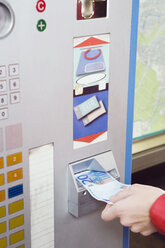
{"x": 90, "y": 89}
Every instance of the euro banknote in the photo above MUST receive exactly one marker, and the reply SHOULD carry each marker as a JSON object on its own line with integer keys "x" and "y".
{"x": 100, "y": 184}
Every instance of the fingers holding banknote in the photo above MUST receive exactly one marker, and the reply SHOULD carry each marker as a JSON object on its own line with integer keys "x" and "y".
{"x": 132, "y": 206}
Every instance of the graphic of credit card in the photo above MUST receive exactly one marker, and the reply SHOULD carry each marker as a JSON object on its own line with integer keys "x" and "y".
{"x": 94, "y": 115}
{"x": 86, "y": 107}
{"x": 90, "y": 61}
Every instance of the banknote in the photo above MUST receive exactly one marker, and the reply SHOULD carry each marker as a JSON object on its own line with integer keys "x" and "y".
{"x": 100, "y": 184}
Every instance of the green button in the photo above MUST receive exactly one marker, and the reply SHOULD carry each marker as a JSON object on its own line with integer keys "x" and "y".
{"x": 41, "y": 25}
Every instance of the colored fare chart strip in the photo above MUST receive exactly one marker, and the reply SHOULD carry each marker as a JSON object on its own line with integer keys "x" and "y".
{"x": 42, "y": 197}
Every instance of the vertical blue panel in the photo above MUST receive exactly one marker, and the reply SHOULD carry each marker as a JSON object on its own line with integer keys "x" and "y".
{"x": 130, "y": 106}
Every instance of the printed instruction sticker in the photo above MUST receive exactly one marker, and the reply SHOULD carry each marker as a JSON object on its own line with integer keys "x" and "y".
{"x": 90, "y": 89}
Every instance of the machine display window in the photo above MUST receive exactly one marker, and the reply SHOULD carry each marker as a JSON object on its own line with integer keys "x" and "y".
{"x": 89, "y": 9}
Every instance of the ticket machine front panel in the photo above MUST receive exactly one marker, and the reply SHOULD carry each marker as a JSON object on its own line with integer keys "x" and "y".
{"x": 63, "y": 99}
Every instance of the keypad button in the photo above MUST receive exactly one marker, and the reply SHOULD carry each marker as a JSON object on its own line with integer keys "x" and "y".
{"x": 3, "y": 242}
{"x": 1, "y": 163}
{"x": 41, "y": 6}
{"x": 3, "y": 86}
{"x": 14, "y": 84}
{"x": 2, "y": 195}
{"x": 2, "y": 227}
{"x": 16, "y": 237}
{"x": 13, "y": 136}
{"x": 3, "y": 100}
{"x": 2, "y": 212}
{"x": 15, "y": 175}
{"x": 14, "y": 159}
{"x": 15, "y": 191}
{"x": 2, "y": 71}
{"x": 3, "y": 114}
{"x": 1, "y": 143}
{"x": 2, "y": 179}
{"x": 13, "y": 70}
{"x": 15, "y": 97}
{"x": 16, "y": 206}
{"x": 16, "y": 222}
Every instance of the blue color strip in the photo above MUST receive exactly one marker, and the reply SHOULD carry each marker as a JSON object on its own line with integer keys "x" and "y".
{"x": 130, "y": 105}
{"x": 15, "y": 191}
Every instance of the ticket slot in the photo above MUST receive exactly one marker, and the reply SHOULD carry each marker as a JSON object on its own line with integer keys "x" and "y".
{"x": 80, "y": 202}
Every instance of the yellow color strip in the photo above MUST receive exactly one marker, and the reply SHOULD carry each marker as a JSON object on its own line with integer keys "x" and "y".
{"x": 2, "y": 179}
{"x": 22, "y": 246}
{"x": 2, "y": 195}
{"x": 16, "y": 206}
{"x": 2, "y": 212}
{"x": 2, "y": 227}
{"x": 14, "y": 159}
{"x": 1, "y": 163}
{"x": 16, "y": 237}
{"x": 15, "y": 222}
{"x": 3, "y": 242}
{"x": 15, "y": 175}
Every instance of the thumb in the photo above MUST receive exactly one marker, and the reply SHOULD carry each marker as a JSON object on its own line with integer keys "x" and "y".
{"x": 109, "y": 213}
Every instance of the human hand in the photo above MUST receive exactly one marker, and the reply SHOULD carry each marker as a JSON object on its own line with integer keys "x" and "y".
{"x": 132, "y": 205}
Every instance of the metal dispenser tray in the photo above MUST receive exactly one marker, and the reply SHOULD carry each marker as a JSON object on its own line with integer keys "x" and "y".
{"x": 79, "y": 200}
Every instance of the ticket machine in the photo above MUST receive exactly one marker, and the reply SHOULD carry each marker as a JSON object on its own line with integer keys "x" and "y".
{"x": 67, "y": 73}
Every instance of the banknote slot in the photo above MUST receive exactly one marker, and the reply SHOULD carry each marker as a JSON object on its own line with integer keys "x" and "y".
{"x": 80, "y": 202}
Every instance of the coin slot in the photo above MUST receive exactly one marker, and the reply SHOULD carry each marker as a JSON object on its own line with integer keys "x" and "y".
{"x": 6, "y": 19}
{"x": 89, "y": 9}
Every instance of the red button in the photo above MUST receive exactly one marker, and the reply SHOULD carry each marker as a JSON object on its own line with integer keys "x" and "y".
{"x": 41, "y": 6}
